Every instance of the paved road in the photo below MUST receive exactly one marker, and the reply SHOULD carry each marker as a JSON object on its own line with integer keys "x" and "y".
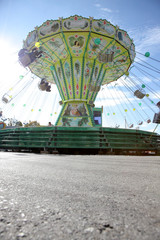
{"x": 79, "y": 197}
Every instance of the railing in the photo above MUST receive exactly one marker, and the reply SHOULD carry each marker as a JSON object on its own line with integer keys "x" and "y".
{"x": 63, "y": 138}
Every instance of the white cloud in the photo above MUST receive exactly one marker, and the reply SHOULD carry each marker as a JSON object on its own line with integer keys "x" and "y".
{"x": 106, "y": 10}
{"x": 152, "y": 36}
{"x": 97, "y": 5}
{"x": 103, "y": 8}
{"x": 148, "y": 38}
{"x": 111, "y": 97}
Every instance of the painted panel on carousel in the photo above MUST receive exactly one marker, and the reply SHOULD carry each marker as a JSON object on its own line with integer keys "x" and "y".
{"x": 97, "y": 85}
{"x": 68, "y": 78}
{"x": 57, "y": 45}
{"x": 75, "y": 23}
{"x": 75, "y": 110}
{"x": 75, "y": 122}
{"x": 30, "y": 40}
{"x": 48, "y": 54}
{"x": 95, "y": 46}
{"x": 121, "y": 60}
{"x": 104, "y": 27}
{"x": 59, "y": 85}
{"x": 93, "y": 80}
{"x": 123, "y": 38}
{"x": 95, "y": 74}
{"x": 86, "y": 79}
{"x": 41, "y": 66}
{"x": 49, "y": 27}
{"x": 132, "y": 52}
{"x": 77, "y": 76}
{"x": 41, "y": 71}
{"x": 61, "y": 80}
{"x": 114, "y": 73}
{"x": 76, "y": 43}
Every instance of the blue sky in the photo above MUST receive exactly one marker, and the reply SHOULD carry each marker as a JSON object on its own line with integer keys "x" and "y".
{"x": 18, "y": 17}
{"x": 140, "y": 18}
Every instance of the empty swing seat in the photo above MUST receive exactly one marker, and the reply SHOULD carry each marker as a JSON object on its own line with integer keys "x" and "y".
{"x": 5, "y": 100}
{"x": 148, "y": 120}
{"x": 156, "y": 118}
{"x": 105, "y": 57}
{"x": 158, "y": 104}
{"x": 139, "y": 94}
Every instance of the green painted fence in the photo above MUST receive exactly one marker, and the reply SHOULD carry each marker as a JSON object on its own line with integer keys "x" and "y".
{"x": 67, "y": 139}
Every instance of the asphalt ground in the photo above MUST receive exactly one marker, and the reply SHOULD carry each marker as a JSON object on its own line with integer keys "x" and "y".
{"x": 46, "y": 196}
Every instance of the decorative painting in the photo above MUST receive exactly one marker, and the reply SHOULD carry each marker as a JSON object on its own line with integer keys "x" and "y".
{"x": 75, "y": 110}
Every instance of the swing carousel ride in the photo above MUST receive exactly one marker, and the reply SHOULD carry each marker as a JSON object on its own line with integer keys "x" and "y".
{"x": 91, "y": 62}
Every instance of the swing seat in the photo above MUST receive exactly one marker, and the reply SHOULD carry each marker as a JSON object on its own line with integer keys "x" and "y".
{"x": 139, "y": 94}
{"x": 105, "y": 57}
{"x": 156, "y": 118}
{"x": 158, "y": 104}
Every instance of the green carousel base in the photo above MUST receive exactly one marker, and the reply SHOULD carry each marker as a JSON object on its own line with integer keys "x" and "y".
{"x": 80, "y": 140}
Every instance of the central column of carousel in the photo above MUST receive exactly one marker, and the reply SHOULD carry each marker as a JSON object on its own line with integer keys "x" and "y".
{"x": 78, "y": 94}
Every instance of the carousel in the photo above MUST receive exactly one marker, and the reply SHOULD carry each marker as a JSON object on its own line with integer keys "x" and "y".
{"x": 79, "y": 55}
{"x": 85, "y": 57}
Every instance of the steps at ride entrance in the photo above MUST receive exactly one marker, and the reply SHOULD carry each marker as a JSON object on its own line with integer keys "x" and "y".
{"x": 83, "y": 140}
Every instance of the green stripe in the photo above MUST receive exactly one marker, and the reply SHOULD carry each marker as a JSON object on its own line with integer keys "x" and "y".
{"x": 100, "y": 85}
{"x": 120, "y": 54}
{"x": 91, "y": 77}
{"x": 59, "y": 117}
{"x": 97, "y": 78}
{"x": 64, "y": 79}
{"x": 59, "y": 83}
{"x": 120, "y": 70}
{"x": 82, "y": 79}
{"x": 91, "y": 115}
{"x": 73, "y": 88}
{"x": 107, "y": 46}
{"x": 71, "y": 64}
{"x": 82, "y": 73}
{"x": 114, "y": 79}
{"x": 41, "y": 38}
{"x": 50, "y": 50}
